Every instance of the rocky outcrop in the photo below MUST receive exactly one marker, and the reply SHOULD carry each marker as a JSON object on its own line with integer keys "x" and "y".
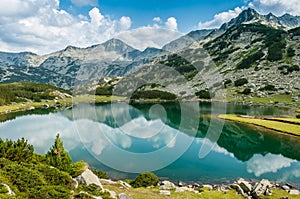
{"x": 167, "y": 185}
{"x": 123, "y": 196}
{"x": 88, "y": 177}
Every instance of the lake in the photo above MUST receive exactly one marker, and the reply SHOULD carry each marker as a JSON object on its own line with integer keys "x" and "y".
{"x": 177, "y": 141}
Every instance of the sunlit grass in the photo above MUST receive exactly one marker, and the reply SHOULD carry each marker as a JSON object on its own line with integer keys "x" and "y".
{"x": 274, "y": 125}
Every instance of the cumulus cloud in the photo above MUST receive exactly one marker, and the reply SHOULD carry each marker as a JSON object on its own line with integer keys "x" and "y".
{"x": 277, "y": 7}
{"x": 221, "y": 18}
{"x": 171, "y": 24}
{"x": 148, "y": 36}
{"x": 157, "y": 19}
{"x": 41, "y": 27}
{"x": 259, "y": 164}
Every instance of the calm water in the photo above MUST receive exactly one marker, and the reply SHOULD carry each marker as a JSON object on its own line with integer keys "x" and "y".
{"x": 176, "y": 141}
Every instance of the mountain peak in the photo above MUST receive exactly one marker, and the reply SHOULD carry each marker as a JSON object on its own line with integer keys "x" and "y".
{"x": 116, "y": 45}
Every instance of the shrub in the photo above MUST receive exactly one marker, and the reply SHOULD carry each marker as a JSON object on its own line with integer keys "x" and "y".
{"x": 145, "y": 180}
{"x": 247, "y": 62}
{"x": 293, "y": 68}
{"x": 100, "y": 174}
{"x": 290, "y": 52}
{"x": 153, "y": 94}
{"x": 298, "y": 116}
{"x": 246, "y": 91}
{"x": 78, "y": 168}
{"x": 240, "y": 82}
{"x": 204, "y": 94}
{"x": 49, "y": 192}
{"x": 268, "y": 88}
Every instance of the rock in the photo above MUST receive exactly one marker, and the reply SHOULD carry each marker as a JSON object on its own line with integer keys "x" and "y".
{"x": 75, "y": 183}
{"x": 246, "y": 186}
{"x": 165, "y": 192}
{"x": 180, "y": 184}
{"x": 124, "y": 196}
{"x": 107, "y": 181}
{"x": 167, "y": 185}
{"x": 111, "y": 193}
{"x": 196, "y": 185}
{"x": 285, "y": 187}
{"x": 182, "y": 189}
{"x": 261, "y": 188}
{"x": 125, "y": 184}
{"x": 88, "y": 177}
{"x": 238, "y": 189}
{"x": 208, "y": 186}
{"x": 294, "y": 192}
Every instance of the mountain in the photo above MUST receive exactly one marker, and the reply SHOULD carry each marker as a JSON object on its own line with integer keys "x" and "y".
{"x": 74, "y": 65}
{"x": 186, "y": 40}
{"x": 252, "y": 56}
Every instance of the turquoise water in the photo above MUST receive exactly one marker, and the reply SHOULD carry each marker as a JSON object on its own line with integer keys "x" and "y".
{"x": 176, "y": 141}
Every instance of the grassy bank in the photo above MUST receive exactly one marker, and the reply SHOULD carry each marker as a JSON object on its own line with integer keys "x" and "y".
{"x": 277, "y": 124}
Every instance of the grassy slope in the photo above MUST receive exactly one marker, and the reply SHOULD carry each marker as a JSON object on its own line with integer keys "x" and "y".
{"x": 274, "y": 125}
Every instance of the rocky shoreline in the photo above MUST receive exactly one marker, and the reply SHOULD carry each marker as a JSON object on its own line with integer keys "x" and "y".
{"x": 247, "y": 189}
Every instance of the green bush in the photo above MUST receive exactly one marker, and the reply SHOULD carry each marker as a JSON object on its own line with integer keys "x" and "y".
{"x": 247, "y": 62}
{"x": 240, "y": 82}
{"x": 100, "y": 174}
{"x": 290, "y": 52}
{"x": 204, "y": 94}
{"x": 145, "y": 180}
{"x": 268, "y": 88}
{"x": 298, "y": 116}
{"x": 246, "y": 91}
{"x": 293, "y": 68}
{"x": 49, "y": 192}
{"x": 78, "y": 168}
{"x": 153, "y": 94}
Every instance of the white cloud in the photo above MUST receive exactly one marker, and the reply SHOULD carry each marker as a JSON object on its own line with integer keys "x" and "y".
{"x": 40, "y": 27}
{"x": 148, "y": 36}
{"x": 157, "y": 19}
{"x": 221, "y": 18}
{"x": 85, "y": 2}
{"x": 277, "y": 7}
{"x": 259, "y": 164}
{"x": 171, "y": 24}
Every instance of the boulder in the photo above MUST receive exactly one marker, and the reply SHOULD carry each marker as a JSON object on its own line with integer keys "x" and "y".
{"x": 245, "y": 185}
{"x": 88, "y": 177}
{"x": 165, "y": 192}
{"x": 285, "y": 187}
{"x": 167, "y": 185}
{"x": 124, "y": 184}
{"x": 238, "y": 189}
{"x": 294, "y": 192}
{"x": 208, "y": 186}
{"x": 261, "y": 188}
{"x": 124, "y": 196}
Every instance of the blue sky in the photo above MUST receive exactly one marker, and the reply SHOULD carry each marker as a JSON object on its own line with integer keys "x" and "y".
{"x": 50, "y": 25}
{"x": 188, "y": 13}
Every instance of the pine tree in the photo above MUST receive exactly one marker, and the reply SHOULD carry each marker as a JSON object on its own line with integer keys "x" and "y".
{"x": 58, "y": 157}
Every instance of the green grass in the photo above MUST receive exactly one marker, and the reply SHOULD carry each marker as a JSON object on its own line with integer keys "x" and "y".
{"x": 269, "y": 124}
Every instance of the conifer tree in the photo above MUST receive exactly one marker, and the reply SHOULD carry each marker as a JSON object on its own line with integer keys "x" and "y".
{"x": 58, "y": 157}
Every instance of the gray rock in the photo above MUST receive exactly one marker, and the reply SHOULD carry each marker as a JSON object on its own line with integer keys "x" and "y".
{"x": 246, "y": 186}
{"x": 238, "y": 189}
{"x": 208, "y": 186}
{"x": 167, "y": 185}
{"x": 125, "y": 184}
{"x": 88, "y": 177}
{"x": 165, "y": 192}
{"x": 124, "y": 196}
{"x": 285, "y": 187}
{"x": 261, "y": 188}
{"x": 294, "y": 192}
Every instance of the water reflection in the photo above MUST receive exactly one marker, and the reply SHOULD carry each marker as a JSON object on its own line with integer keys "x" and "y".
{"x": 156, "y": 139}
